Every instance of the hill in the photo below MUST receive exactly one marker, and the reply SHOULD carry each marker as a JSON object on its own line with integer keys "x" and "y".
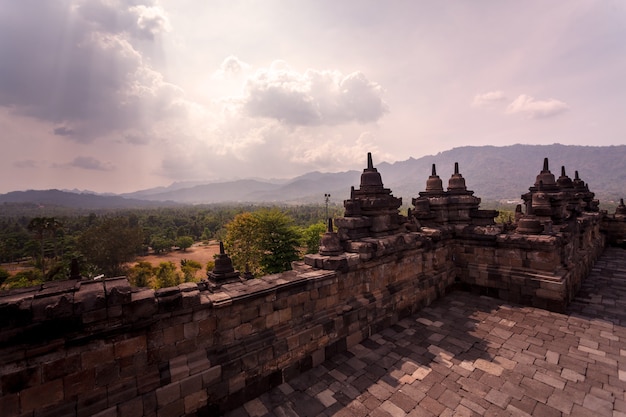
{"x": 493, "y": 173}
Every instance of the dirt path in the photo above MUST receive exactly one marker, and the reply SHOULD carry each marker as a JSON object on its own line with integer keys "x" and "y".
{"x": 199, "y": 252}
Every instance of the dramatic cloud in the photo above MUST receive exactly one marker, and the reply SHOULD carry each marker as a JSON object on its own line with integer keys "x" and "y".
{"x": 486, "y": 99}
{"x": 90, "y": 163}
{"x": 79, "y": 66}
{"x": 185, "y": 90}
{"x": 536, "y": 109}
{"x": 314, "y": 97}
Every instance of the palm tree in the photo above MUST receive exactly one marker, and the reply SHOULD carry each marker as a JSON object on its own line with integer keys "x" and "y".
{"x": 42, "y": 226}
{"x": 38, "y": 225}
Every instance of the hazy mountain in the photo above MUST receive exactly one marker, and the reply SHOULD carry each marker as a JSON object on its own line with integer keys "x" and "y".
{"x": 76, "y": 200}
{"x": 233, "y": 191}
{"x": 493, "y": 173}
{"x": 507, "y": 172}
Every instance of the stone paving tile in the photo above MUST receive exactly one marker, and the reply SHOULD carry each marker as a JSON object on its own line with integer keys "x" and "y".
{"x": 467, "y": 355}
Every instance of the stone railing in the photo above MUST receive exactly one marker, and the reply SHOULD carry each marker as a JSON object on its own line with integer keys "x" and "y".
{"x": 80, "y": 348}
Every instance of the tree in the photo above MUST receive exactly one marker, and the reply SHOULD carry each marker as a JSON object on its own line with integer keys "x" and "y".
{"x": 184, "y": 242}
{"x": 43, "y": 226}
{"x": 190, "y": 268}
{"x": 279, "y": 240}
{"x": 167, "y": 275}
{"x": 161, "y": 244}
{"x": 311, "y": 237}
{"x": 23, "y": 279}
{"x": 110, "y": 244}
{"x": 4, "y": 274}
{"x": 141, "y": 274}
{"x": 265, "y": 241}
{"x": 243, "y": 243}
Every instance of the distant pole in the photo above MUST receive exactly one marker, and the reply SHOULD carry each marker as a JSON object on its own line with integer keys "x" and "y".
{"x": 326, "y": 199}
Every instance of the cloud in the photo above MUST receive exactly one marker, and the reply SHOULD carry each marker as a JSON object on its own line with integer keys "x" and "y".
{"x": 486, "y": 99}
{"x": 79, "y": 65}
{"x": 536, "y": 109}
{"x": 151, "y": 21}
{"x": 231, "y": 67}
{"x": 90, "y": 163}
{"x": 312, "y": 98}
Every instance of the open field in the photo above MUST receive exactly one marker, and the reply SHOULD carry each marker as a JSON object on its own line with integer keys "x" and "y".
{"x": 199, "y": 252}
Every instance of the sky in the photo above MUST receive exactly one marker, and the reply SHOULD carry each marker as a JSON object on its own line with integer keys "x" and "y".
{"x": 122, "y": 95}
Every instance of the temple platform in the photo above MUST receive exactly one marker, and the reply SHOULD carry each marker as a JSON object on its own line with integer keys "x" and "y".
{"x": 469, "y": 355}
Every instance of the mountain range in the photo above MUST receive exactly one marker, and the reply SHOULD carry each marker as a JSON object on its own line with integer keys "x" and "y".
{"x": 493, "y": 173}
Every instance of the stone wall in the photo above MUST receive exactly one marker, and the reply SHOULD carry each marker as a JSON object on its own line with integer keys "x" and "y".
{"x": 543, "y": 271}
{"x": 81, "y": 348}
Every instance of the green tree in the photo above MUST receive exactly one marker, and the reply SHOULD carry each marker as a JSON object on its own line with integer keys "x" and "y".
{"x": 23, "y": 279}
{"x": 279, "y": 240}
{"x": 141, "y": 274}
{"x": 4, "y": 274}
{"x": 161, "y": 244}
{"x": 311, "y": 237}
{"x": 43, "y": 226}
{"x": 265, "y": 241}
{"x": 184, "y": 242}
{"x": 190, "y": 268}
{"x": 167, "y": 275}
{"x": 110, "y": 244}
{"x": 242, "y": 242}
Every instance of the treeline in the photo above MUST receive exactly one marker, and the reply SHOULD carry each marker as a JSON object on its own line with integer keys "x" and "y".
{"x": 103, "y": 243}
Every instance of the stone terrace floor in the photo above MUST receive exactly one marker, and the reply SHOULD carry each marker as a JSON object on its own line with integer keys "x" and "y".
{"x": 467, "y": 355}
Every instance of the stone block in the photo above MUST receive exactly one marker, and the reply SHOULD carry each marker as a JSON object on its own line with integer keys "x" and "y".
{"x": 91, "y": 402}
{"x": 130, "y": 346}
{"x": 173, "y": 334}
{"x": 90, "y": 296}
{"x": 149, "y": 381}
{"x": 94, "y": 316}
{"x": 131, "y": 408}
{"x": 107, "y": 374}
{"x": 168, "y": 394}
{"x": 41, "y": 396}
{"x": 143, "y": 305}
{"x": 190, "y": 385}
{"x": 14, "y": 382}
{"x": 121, "y": 391}
{"x": 79, "y": 382}
{"x": 211, "y": 376}
{"x": 52, "y": 307}
{"x": 195, "y": 401}
{"x": 109, "y": 412}
{"x": 174, "y": 409}
{"x": 242, "y": 331}
{"x": 9, "y": 405}
{"x": 118, "y": 291}
{"x": 92, "y": 358}
{"x": 61, "y": 367}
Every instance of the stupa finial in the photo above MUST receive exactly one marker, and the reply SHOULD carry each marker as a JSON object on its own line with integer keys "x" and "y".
{"x": 434, "y": 170}
{"x": 370, "y": 164}
{"x": 545, "y": 164}
{"x": 456, "y": 167}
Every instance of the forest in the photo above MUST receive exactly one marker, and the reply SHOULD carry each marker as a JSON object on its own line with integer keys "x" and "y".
{"x": 38, "y": 244}
{"x": 43, "y": 241}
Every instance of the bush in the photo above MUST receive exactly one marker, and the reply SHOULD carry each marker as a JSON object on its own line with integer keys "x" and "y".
{"x": 4, "y": 274}
{"x": 24, "y": 279}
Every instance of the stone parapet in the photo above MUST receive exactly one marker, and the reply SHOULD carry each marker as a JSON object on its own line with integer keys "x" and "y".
{"x": 79, "y": 348}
